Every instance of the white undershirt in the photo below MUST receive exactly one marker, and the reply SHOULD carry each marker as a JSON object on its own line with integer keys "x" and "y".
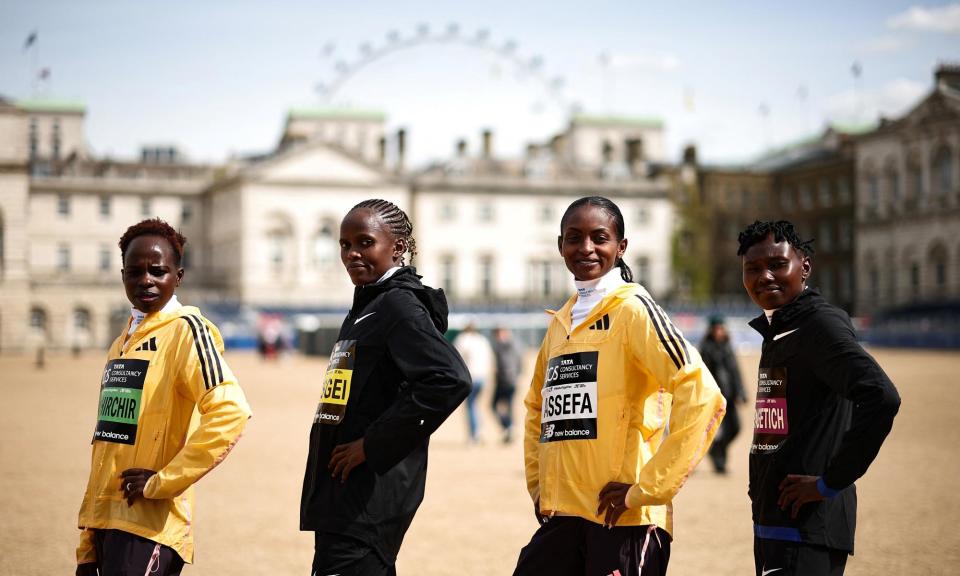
{"x": 388, "y": 274}
{"x": 138, "y": 316}
{"x": 591, "y": 292}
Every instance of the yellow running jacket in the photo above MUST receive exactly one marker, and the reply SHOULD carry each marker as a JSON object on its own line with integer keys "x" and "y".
{"x": 150, "y": 386}
{"x": 623, "y": 398}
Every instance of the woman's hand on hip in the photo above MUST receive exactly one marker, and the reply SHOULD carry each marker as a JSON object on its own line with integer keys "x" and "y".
{"x": 613, "y": 502}
{"x": 132, "y": 483}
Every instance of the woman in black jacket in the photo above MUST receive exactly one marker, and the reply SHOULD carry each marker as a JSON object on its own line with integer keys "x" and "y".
{"x": 392, "y": 380}
{"x": 717, "y": 354}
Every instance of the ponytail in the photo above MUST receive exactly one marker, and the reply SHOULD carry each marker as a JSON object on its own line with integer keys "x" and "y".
{"x": 625, "y": 271}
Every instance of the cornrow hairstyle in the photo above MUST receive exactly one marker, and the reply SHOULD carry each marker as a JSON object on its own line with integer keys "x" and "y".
{"x": 614, "y": 211}
{"x": 781, "y": 230}
{"x": 154, "y": 227}
{"x": 396, "y": 221}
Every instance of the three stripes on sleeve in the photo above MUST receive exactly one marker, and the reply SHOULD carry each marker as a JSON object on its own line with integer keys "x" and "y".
{"x": 210, "y": 364}
{"x": 674, "y": 343}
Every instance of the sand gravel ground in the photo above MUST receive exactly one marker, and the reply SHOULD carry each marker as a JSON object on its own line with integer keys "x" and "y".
{"x": 477, "y": 515}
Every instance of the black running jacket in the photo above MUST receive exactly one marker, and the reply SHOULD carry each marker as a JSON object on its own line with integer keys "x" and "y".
{"x": 392, "y": 380}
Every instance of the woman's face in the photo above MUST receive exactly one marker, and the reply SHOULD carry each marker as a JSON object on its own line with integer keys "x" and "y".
{"x": 774, "y": 273}
{"x": 150, "y": 273}
{"x": 367, "y": 248}
{"x": 588, "y": 242}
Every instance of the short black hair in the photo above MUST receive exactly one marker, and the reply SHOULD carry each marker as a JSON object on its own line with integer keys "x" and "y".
{"x": 781, "y": 230}
{"x": 154, "y": 227}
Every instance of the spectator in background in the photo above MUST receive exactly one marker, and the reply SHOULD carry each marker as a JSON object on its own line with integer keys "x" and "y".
{"x": 508, "y": 358}
{"x": 476, "y": 353}
{"x": 717, "y": 354}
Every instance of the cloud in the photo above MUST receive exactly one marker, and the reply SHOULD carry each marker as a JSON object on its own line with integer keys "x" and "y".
{"x": 883, "y": 45}
{"x": 893, "y": 99}
{"x": 938, "y": 19}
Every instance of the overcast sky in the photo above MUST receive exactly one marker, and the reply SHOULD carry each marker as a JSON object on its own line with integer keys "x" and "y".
{"x": 217, "y": 77}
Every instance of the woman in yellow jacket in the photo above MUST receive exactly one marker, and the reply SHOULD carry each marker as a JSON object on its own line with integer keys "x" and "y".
{"x": 612, "y": 378}
{"x": 137, "y": 510}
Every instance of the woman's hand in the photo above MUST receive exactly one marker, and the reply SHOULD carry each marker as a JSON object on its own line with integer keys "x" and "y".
{"x": 345, "y": 458}
{"x": 88, "y": 569}
{"x": 133, "y": 481}
{"x": 613, "y": 500}
{"x": 541, "y": 519}
{"x": 797, "y": 490}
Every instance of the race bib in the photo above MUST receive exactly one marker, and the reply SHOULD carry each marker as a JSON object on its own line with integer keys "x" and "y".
{"x": 770, "y": 424}
{"x": 569, "y": 410}
{"x": 336, "y": 383}
{"x": 121, "y": 390}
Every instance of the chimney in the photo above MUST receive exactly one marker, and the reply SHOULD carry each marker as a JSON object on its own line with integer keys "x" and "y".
{"x": 461, "y": 148}
{"x": 487, "y": 144}
{"x": 382, "y": 147}
{"x": 947, "y": 75}
{"x": 401, "y": 148}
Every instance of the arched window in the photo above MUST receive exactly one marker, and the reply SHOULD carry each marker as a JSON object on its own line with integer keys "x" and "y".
{"x": 280, "y": 246}
{"x": 38, "y": 319}
{"x": 942, "y": 173}
{"x": 324, "y": 249}
{"x": 914, "y": 183}
{"x": 937, "y": 260}
{"x": 81, "y": 329}
{"x": 891, "y": 177}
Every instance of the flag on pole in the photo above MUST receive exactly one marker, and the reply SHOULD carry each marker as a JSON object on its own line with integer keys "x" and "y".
{"x": 44, "y": 74}
{"x": 31, "y": 40}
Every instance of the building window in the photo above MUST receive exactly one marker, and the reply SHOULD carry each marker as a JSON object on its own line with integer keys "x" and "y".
{"x": 844, "y": 234}
{"x": 146, "y": 207}
{"x": 914, "y": 183}
{"x": 186, "y": 211}
{"x": 485, "y": 212}
{"x": 105, "y": 258}
{"x": 324, "y": 247}
{"x": 643, "y": 214}
{"x": 826, "y": 194}
{"x": 873, "y": 192}
{"x": 806, "y": 197}
{"x": 893, "y": 186}
{"x": 63, "y": 205}
{"x": 846, "y": 284}
{"x": 63, "y": 258}
{"x": 186, "y": 261}
{"x": 786, "y": 199}
{"x": 940, "y": 274}
{"x": 915, "y": 280}
{"x": 744, "y": 199}
{"x": 874, "y": 275}
{"x": 447, "y": 273}
{"x": 826, "y": 282}
{"x": 56, "y": 140}
{"x": 34, "y": 139}
{"x": 642, "y": 275}
{"x": 486, "y": 276}
{"x": 38, "y": 318}
{"x": 81, "y": 318}
{"x": 546, "y": 213}
{"x": 943, "y": 172}
{"x": 448, "y": 211}
{"x": 826, "y": 235}
{"x": 843, "y": 191}
{"x": 105, "y": 206}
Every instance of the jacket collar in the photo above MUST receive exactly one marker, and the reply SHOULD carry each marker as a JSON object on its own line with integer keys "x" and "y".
{"x": 610, "y": 301}
{"x": 405, "y": 278}
{"x": 789, "y": 316}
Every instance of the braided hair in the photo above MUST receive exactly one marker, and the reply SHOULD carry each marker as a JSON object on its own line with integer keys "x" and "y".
{"x": 396, "y": 221}
{"x": 781, "y": 230}
{"x": 614, "y": 211}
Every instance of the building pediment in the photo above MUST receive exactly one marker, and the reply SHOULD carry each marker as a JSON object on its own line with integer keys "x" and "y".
{"x": 317, "y": 164}
{"x": 936, "y": 108}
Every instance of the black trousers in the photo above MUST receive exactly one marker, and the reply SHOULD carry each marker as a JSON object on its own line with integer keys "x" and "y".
{"x": 502, "y": 404}
{"x": 335, "y": 554}
{"x": 571, "y": 546}
{"x": 782, "y": 558}
{"x": 121, "y": 553}
{"x": 729, "y": 429}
